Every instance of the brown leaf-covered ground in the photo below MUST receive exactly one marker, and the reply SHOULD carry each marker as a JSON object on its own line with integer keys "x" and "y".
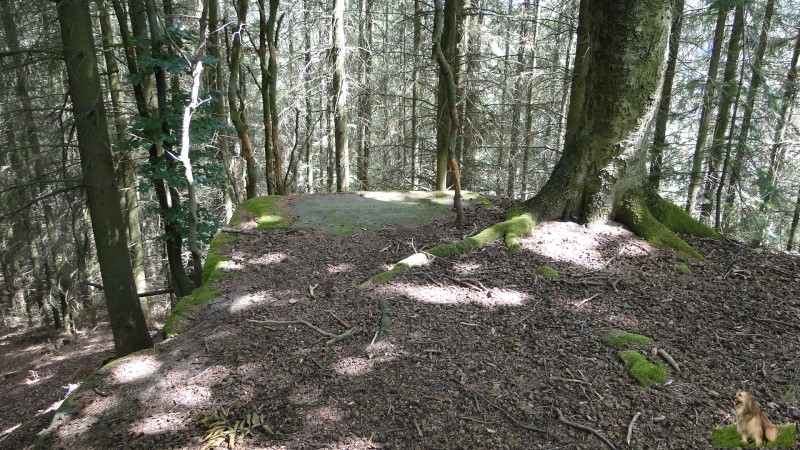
{"x": 481, "y": 352}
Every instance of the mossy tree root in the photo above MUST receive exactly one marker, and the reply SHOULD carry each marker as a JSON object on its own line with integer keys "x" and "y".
{"x": 657, "y": 220}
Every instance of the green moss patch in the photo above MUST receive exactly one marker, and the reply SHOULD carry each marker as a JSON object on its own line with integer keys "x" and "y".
{"x": 728, "y": 437}
{"x": 180, "y": 320}
{"x": 640, "y": 368}
{"x": 548, "y": 272}
{"x": 266, "y": 210}
{"x": 616, "y": 338}
{"x": 684, "y": 269}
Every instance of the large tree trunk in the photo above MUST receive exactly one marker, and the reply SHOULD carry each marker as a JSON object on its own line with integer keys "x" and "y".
{"x": 127, "y": 320}
{"x": 616, "y": 86}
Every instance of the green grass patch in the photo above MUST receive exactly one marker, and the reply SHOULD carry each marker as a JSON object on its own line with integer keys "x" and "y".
{"x": 640, "y": 368}
{"x": 616, "y": 338}
{"x": 728, "y": 437}
{"x": 548, "y": 272}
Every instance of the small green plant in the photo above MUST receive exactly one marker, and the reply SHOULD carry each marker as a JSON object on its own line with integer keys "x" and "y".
{"x": 548, "y": 272}
{"x": 684, "y": 269}
{"x": 640, "y": 368}
{"x": 616, "y": 338}
{"x": 728, "y": 437}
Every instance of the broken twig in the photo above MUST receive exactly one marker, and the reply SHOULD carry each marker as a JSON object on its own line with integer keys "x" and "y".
{"x": 669, "y": 359}
{"x": 334, "y": 337}
{"x": 630, "y": 426}
{"x": 562, "y": 419}
{"x": 505, "y": 413}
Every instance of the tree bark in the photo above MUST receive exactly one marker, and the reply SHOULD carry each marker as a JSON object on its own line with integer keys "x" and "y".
{"x": 449, "y": 39}
{"x": 365, "y": 99}
{"x": 236, "y": 104}
{"x": 127, "y": 320}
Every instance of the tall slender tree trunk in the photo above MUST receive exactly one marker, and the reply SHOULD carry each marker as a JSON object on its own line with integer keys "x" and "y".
{"x": 236, "y": 103}
{"x": 307, "y": 145}
{"x": 709, "y": 95}
{"x": 125, "y": 167}
{"x": 127, "y": 319}
{"x": 660, "y": 136}
{"x": 756, "y": 79}
{"x": 448, "y": 82}
{"x": 339, "y": 94}
{"x": 727, "y": 96}
{"x": 415, "y": 93}
{"x": 449, "y": 38}
{"x": 365, "y": 99}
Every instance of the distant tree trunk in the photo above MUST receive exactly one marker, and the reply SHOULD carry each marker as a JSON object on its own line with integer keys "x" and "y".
{"x": 793, "y": 228}
{"x": 268, "y": 43}
{"x": 307, "y": 146}
{"x": 127, "y": 320}
{"x": 709, "y": 95}
{"x": 215, "y": 82}
{"x": 339, "y": 94}
{"x": 756, "y": 78}
{"x": 729, "y": 91}
{"x": 531, "y": 62}
{"x": 520, "y": 83}
{"x": 444, "y": 126}
{"x": 415, "y": 94}
{"x": 447, "y": 80}
{"x": 365, "y": 100}
{"x": 660, "y": 137}
{"x": 236, "y": 103}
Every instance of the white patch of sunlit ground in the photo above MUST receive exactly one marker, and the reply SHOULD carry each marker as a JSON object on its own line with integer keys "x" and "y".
{"x": 248, "y": 300}
{"x": 377, "y": 353}
{"x": 159, "y": 423}
{"x": 270, "y": 258}
{"x": 452, "y": 295}
{"x": 135, "y": 368}
{"x": 341, "y": 268}
{"x": 467, "y": 268}
{"x": 575, "y": 244}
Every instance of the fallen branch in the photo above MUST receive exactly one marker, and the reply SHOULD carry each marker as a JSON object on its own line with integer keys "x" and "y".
{"x": 788, "y": 324}
{"x": 630, "y": 426}
{"x": 669, "y": 359}
{"x": 505, "y": 413}
{"x": 334, "y": 337}
{"x": 562, "y": 419}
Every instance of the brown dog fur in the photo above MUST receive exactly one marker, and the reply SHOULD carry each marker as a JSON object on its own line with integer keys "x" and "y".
{"x": 752, "y": 423}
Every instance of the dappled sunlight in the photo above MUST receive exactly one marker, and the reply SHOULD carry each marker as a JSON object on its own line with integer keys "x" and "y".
{"x": 306, "y": 395}
{"x": 89, "y": 416}
{"x": 135, "y": 368}
{"x": 341, "y": 268}
{"x": 572, "y": 243}
{"x": 251, "y": 299}
{"x": 158, "y": 423}
{"x": 377, "y": 353}
{"x": 452, "y": 295}
{"x": 270, "y": 258}
{"x": 467, "y": 268}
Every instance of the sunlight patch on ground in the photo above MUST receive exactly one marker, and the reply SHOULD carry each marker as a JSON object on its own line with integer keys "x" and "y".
{"x": 341, "y": 268}
{"x": 306, "y": 396}
{"x": 572, "y": 243}
{"x": 158, "y": 423}
{"x": 377, "y": 353}
{"x": 135, "y": 368}
{"x": 248, "y": 300}
{"x": 467, "y": 268}
{"x": 270, "y": 258}
{"x": 89, "y": 416}
{"x": 452, "y": 295}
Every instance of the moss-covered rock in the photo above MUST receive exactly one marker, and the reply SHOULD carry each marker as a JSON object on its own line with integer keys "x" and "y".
{"x": 548, "y": 272}
{"x": 616, "y": 338}
{"x": 641, "y": 369}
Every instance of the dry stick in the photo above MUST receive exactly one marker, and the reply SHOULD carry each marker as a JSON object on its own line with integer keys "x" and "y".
{"x": 334, "y": 337}
{"x": 788, "y": 324}
{"x": 585, "y": 428}
{"x": 505, "y": 413}
{"x": 630, "y": 426}
{"x": 669, "y": 359}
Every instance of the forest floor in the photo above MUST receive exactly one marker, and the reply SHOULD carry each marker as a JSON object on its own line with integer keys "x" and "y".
{"x": 481, "y": 352}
